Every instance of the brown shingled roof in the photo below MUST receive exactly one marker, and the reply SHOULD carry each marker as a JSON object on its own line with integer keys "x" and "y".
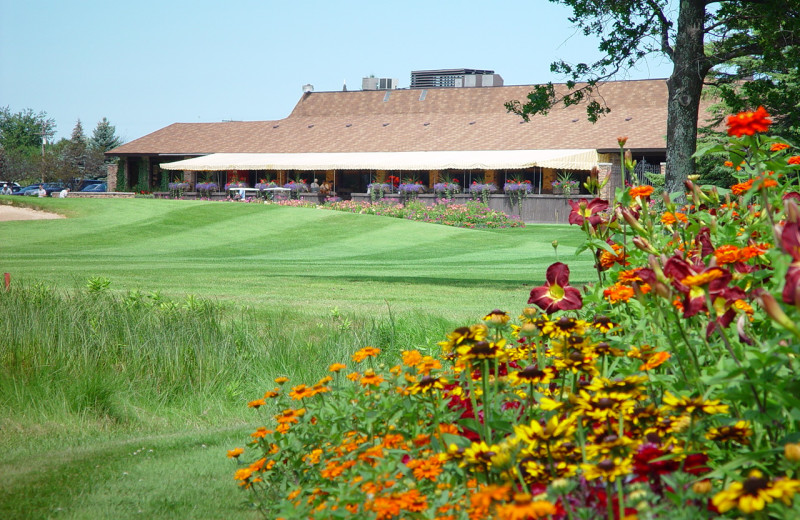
{"x": 446, "y": 119}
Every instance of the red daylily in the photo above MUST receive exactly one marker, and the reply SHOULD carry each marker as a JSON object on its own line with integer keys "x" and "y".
{"x": 556, "y": 294}
{"x": 790, "y": 242}
{"x": 582, "y": 211}
{"x": 693, "y": 280}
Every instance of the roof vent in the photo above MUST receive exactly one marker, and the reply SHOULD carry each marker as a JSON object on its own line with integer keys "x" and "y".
{"x": 348, "y": 125}
{"x": 628, "y": 118}
{"x": 275, "y": 126}
{"x": 385, "y": 124}
{"x": 311, "y": 126}
{"x": 308, "y": 87}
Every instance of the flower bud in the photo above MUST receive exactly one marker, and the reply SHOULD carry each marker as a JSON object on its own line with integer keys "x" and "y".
{"x": 643, "y": 244}
{"x": 774, "y": 311}
{"x": 792, "y": 452}
{"x": 702, "y": 487}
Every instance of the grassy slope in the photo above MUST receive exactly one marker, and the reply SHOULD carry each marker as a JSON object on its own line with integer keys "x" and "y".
{"x": 299, "y": 261}
{"x": 285, "y": 256}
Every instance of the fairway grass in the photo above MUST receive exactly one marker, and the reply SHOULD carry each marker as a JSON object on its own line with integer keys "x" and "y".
{"x": 121, "y": 403}
{"x": 299, "y": 258}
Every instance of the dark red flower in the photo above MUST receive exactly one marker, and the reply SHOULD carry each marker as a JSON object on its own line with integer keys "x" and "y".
{"x": 556, "y": 294}
{"x": 694, "y": 280}
{"x": 790, "y": 242}
{"x": 583, "y": 211}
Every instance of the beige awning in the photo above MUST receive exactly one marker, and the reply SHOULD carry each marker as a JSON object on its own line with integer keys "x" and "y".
{"x": 441, "y": 160}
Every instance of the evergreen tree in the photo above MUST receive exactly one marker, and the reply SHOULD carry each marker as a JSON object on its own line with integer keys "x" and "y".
{"x": 75, "y": 151}
{"x": 104, "y": 136}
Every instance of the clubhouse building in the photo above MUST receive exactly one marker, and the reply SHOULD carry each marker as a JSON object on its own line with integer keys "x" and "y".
{"x": 460, "y": 130}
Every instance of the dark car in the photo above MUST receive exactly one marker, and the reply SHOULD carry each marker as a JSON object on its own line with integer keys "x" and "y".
{"x": 82, "y": 184}
{"x": 102, "y": 187}
{"x": 49, "y": 188}
{"x": 13, "y": 185}
{"x": 28, "y": 190}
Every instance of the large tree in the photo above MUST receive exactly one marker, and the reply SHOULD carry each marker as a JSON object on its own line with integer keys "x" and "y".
{"x": 697, "y": 36}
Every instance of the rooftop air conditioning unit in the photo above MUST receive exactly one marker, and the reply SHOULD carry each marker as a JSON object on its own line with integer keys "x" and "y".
{"x": 387, "y": 83}
{"x": 369, "y": 83}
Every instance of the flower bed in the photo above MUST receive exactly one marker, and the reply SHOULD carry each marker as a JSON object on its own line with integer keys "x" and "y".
{"x": 469, "y": 215}
{"x": 667, "y": 389}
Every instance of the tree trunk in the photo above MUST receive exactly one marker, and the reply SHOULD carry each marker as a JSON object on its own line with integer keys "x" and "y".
{"x": 684, "y": 87}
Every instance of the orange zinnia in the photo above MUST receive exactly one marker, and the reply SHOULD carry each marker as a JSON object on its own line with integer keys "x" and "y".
{"x": 641, "y": 191}
{"x": 748, "y": 123}
{"x": 234, "y": 453}
{"x": 777, "y": 147}
{"x": 655, "y": 360}
{"x": 794, "y": 160}
{"x": 364, "y": 353}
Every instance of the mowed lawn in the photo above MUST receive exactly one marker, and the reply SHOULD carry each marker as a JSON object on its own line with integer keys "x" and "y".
{"x": 280, "y": 256}
{"x": 89, "y": 440}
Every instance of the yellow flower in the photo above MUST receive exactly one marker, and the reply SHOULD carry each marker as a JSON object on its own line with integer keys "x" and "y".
{"x": 524, "y": 508}
{"x": 607, "y": 469}
{"x": 755, "y": 492}
{"x": 692, "y": 404}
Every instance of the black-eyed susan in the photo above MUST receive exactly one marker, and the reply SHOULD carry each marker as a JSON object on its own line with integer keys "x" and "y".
{"x": 603, "y": 405}
{"x": 427, "y": 384}
{"x": 739, "y": 432}
{"x": 497, "y": 318}
{"x": 607, "y": 469}
{"x": 556, "y": 430}
{"x": 691, "y": 405}
{"x": 603, "y": 323}
{"x": 755, "y": 492}
{"x": 533, "y": 375}
{"x": 479, "y": 455}
{"x": 464, "y": 336}
{"x": 482, "y": 350}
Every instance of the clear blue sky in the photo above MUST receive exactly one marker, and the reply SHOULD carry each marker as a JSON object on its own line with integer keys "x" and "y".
{"x": 147, "y": 64}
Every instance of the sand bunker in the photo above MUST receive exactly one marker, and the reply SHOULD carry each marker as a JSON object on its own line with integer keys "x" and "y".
{"x": 14, "y": 213}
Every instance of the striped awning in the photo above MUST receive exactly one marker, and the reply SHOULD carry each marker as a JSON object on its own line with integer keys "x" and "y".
{"x": 571, "y": 159}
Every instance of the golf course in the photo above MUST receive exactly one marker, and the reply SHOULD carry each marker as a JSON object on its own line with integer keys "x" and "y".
{"x": 135, "y": 331}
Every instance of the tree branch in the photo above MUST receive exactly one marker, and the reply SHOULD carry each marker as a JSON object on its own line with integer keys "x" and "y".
{"x": 665, "y": 26}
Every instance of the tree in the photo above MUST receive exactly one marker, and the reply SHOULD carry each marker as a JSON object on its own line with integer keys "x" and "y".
{"x": 75, "y": 152}
{"x": 701, "y": 36}
{"x": 24, "y": 129}
{"x": 104, "y": 137}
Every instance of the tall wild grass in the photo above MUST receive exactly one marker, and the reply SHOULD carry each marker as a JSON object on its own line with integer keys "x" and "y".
{"x": 141, "y": 359}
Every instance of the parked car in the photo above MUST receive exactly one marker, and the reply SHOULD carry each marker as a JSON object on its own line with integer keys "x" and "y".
{"x": 13, "y": 185}
{"x": 28, "y": 190}
{"x": 80, "y": 184}
{"x": 49, "y": 187}
{"x": 101, "y": 187}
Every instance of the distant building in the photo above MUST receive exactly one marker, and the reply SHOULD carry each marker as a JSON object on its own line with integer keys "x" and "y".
{"x": 352, "y": 138}
{"x": 455, "y": 78}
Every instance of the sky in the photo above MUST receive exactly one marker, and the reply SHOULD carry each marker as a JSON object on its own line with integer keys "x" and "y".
{"x": 147, "y": 64}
